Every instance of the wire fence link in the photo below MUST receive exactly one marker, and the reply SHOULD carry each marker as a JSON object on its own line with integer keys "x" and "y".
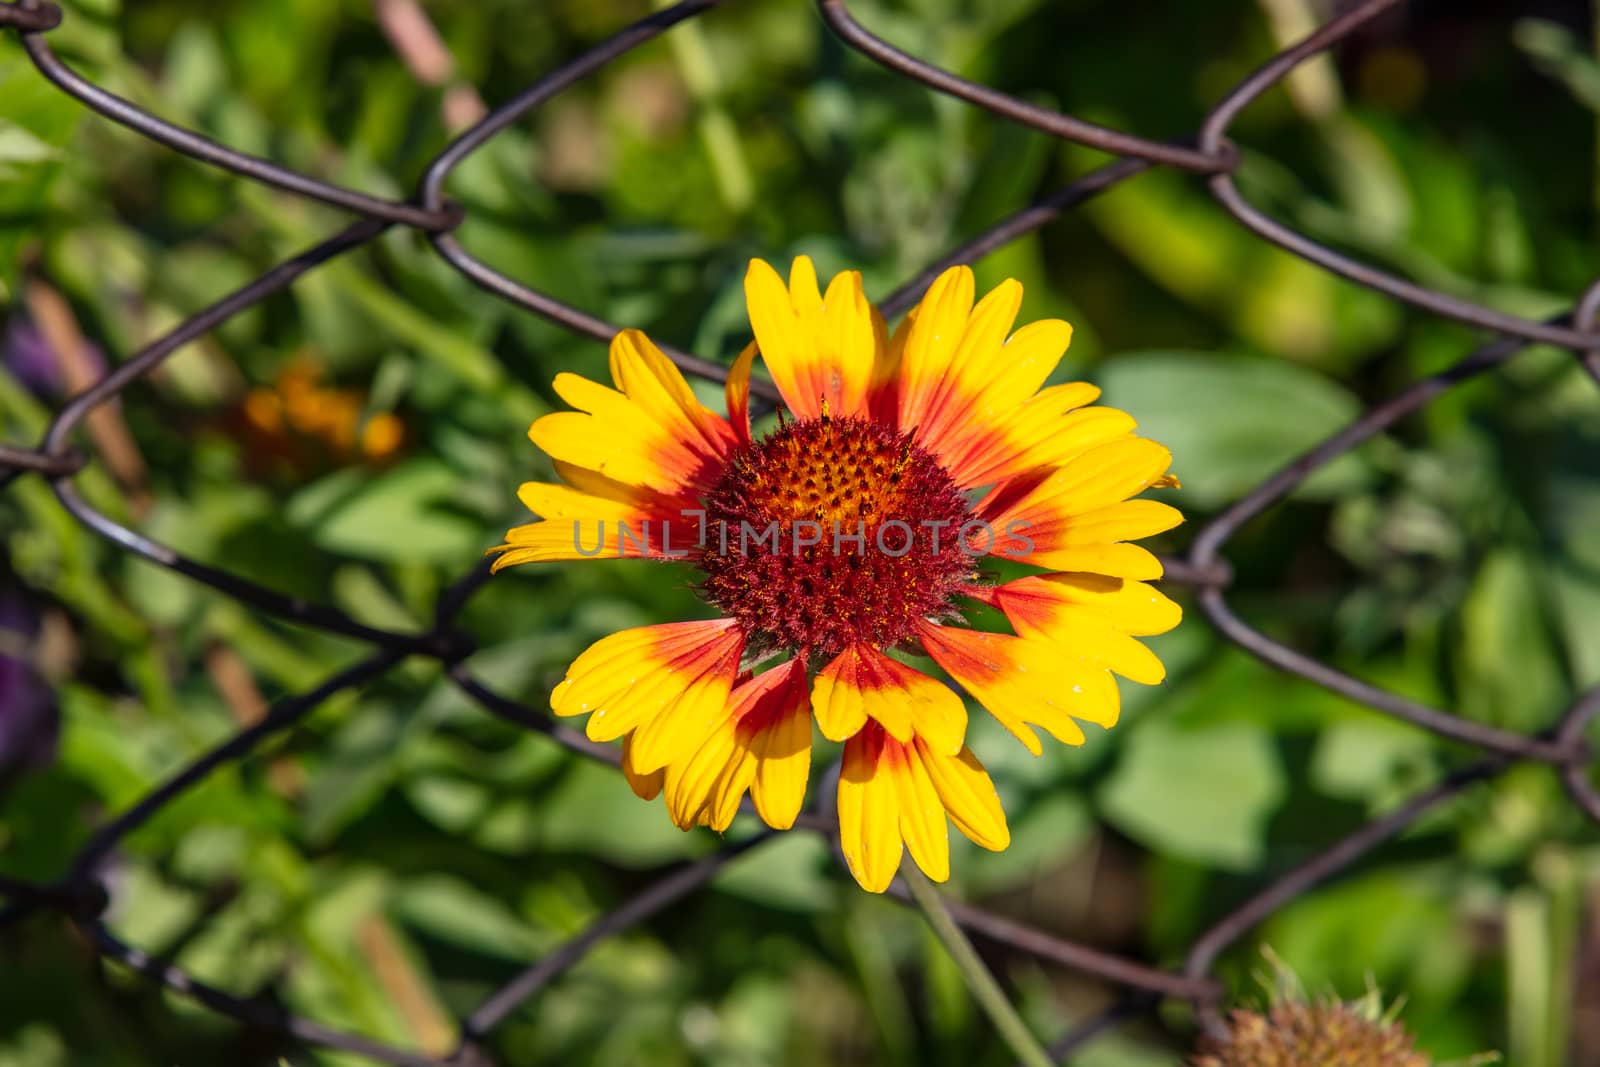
{"x": 80, "y": 895}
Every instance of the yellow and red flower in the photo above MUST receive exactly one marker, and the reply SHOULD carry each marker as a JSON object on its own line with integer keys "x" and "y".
{"x": 846, "y": 538}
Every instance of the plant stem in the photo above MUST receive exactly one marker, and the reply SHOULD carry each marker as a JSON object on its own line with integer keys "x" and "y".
{"x": 982, "y": 984}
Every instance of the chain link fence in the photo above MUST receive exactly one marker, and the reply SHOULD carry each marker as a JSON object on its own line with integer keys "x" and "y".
{"x": 1209, "y": 155}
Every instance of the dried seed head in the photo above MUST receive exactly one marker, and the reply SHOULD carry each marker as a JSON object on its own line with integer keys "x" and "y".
{"x": 1294, "y": 1033}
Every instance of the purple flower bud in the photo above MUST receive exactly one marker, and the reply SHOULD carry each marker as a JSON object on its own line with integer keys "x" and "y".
{"x": 27, "y": 355}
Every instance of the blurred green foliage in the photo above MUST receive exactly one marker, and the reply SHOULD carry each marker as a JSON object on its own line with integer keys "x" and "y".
{"x": 394, "y": 859}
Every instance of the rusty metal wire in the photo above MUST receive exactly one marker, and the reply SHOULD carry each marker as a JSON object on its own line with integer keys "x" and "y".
{"x": 1210, "y": 155}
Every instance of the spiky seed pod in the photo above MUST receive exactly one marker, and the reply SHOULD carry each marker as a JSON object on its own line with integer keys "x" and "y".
{"x": 1328, "y": 1033}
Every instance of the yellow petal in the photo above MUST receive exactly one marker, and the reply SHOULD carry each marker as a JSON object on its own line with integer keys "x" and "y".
{"x": 613, "y": 663}
{"x": 837, "y": 701}
{"x": 1133, "y": 607}
{"x": 1025, "y": 360}
{"x": 1071, "y": 434}
{"x": 1048, "y": 431}
{"x": 615, "y": 437}
{"x": 862, "y": 682}
{"x": 847, "y": 336}
{"x": 976, "y": 358}
{"x": 688, "y": 720}
{"x": 668, "y": 682}
{"x": 690, "y": 783}
{"x": 737, "y": 391}
{"x": 987, "y": 329}
{"x": 572, "y": 436}
{"x": 1024, "y": 681}
{"x": 656, "y": 385}
{"x": 1088, "y": 636}
{"x": 1069, "y": 519}
{"x": 804, "y": 295}
{"x": 782, "y": 747}
{"x": 736, "y": 777}
{"x": 1118, "y": 561}
{"x": 935, "y": 333}
{"x": 821, "y": 351}
{"x": 922, "y": 821}
{"x": 1092, "y": 693}
{"x": 968, "y": 796}
{"x": 1039, "y": 607}
{"x": 545, "y": 542}
{"x": 650, "y": 691}
{"x": 869, "y": 813}
{"x": 1129, "y": 520}
{"x": 551, "y": 501}
{"x": 952, "y": 400}
{"x": 644, "y": 786}
{"x": 781, "y": 339}
{"x": 625, "y": 523}
{"x": 1106, "y": 474}
{"x": 656, "y": 435}
{"x": 883, "y": 395}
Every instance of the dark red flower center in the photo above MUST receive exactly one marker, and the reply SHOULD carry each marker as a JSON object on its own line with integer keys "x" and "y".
{"x": 834, "y": 531}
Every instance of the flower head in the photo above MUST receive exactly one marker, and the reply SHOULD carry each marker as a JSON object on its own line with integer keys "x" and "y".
{"x": 1329, "y": 1032}
{"x": 1295, "y": 1030}
{"x": 842, "y": 548}
{"x": 301, "y": 423}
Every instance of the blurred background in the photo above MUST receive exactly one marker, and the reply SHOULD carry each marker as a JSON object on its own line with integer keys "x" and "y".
{"x": 358, "y": 439}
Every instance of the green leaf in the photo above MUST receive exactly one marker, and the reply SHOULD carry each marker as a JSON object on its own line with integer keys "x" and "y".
{"x": 1365, "y": 758}
{"x": 593, "y": 811}
{"x": 1231, "y": 421}
{"x": 403, "y": 514}
{"x": 453, "y": 804}
{"x": 17, "y": 145}
{"x": 458, "y": 914}
{"x": 1578, "y": 601}
{"x": 1044, "y": 832}
{"x": 1558, "y": 53}
{"x": 468, "y": 363}
{"x": 359, "y": 591}
{"x": 360, "y": 767}
{"x": 792, "y": 872}
{"x": 1203, "y": 794}
{"x": 1396, "y": 927}
{"x": 1509, "y": 672}
{"x": 152, "y": 912}
{"x": 33, "y": 1045}
{"x": 38, "y": 120}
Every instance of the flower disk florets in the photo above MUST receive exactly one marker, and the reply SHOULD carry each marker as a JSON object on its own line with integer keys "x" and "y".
{"x": 834, "y": 531}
